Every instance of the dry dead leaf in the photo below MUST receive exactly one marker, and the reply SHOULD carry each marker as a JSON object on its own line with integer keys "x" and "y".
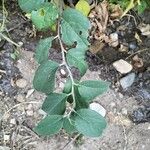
{"x": 96, "y": 46}
{"x": 138, "y": 37}
{"x": 137, "y": 62}
{"x": 99, "y": 19}
{"x": 123, "y": 48}
{"x": 102, "y": 15}
{"x": 145, "y": 29}
{"x": 116, "y": 11}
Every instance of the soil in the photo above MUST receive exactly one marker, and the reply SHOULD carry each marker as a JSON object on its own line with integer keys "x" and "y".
{"x": 128, "y": 110}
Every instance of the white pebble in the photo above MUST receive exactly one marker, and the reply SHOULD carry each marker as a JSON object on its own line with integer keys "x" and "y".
{"x": 20, "y": 98}
{"x": 21, "y": 83}
{"x": 122, "y": 66}
{"x": 61, "y": 85}
{"x": 13, "y": 121}
{"x": 30, "y": 106}
{"x": 29, "y": 112}
{"x": 63, "y": 72}
{"x": 6, "y": 137}
{"x": 98, "y": 108}
{"x": 124, "y": 111}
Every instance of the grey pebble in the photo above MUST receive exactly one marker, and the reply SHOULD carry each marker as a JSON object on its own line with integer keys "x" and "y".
{"x": 127, "y": 81}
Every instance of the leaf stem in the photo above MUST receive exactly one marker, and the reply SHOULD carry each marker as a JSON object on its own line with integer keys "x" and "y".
{"x": 64, "y": 62}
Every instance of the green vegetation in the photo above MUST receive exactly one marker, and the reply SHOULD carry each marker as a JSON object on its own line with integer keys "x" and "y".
{"x": 70, "y": 108}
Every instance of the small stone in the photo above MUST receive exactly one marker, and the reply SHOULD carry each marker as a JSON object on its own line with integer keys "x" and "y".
{"x": 115, "y": 110}
{"x": 113, "y": 39}
{"x": 13, "y": 121}
{"x": 127, "y": 81}
{"x": 30, "y": 107}
{"x": 112, "y": 104}
{"x": 98, "y": 108}
{"x": 125, "y": 121}
{"x": 124, "y": 111}
{"x": 29, "y": 112}
{"x": 20, "y": 98}
{"x": 29, "y": 93}
{"x": 63, "y": 72}
{"x": 6, "y": 137}
{"x": 122, "y": 66}
{"x": 120, "y": 95}
{"x": 21, "y": 83}
{"x": 132, "y": 45}
{"x": 61, "y": 85}
{"x": 20, "y": 43}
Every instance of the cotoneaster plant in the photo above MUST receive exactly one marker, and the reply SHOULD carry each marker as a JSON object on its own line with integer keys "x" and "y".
{"x": 69, "y": 109}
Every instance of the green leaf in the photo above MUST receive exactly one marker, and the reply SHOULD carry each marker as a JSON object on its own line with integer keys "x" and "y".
{"x": 75, "y": 57}
{"x": 142, "y": 6}
{"x": 68, "y": 86}
{"x": 89, "y": 123}
{"x": 29, "y": 5}
{"x": 51, "y": 14}
{"x": 80, "y": 102}
{"x": 55, "y": 103}
{"x": 45, "y": 17}
{"x": 38, "y": 19}
{"x": 42, "y": 49}
{"x": 49, "y": 125}
{"x": 68, "y": 125}
{"x": 74, "y": 28}
{"x": 90, "y": 89}
{"x": 44, "y": 79}
{"x": 83, "y": 6}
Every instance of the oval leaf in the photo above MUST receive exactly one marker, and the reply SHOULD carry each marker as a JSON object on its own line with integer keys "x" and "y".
{"x": 49, "y": 125}
{"x": 80, "y": 102}
{"x": 75, "y": 57}
{"x": 68, "y": 125}
{"x": 90, "y": 89}
{"x": 68, "y": 86}
{"x": 74, "y": 28}
{"x": 29, "y": 5}
{"x": 89, "y": 123}
{"x": 44, "y": 79}
{"x": 42, "y": 49}
{"x": 55, "y": 103}
{"x": 45, "y": 17}
{"x": 83, "y": 6}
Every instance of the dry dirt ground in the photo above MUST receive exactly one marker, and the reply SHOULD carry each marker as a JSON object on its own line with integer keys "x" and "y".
{"x": 16, "y": 127}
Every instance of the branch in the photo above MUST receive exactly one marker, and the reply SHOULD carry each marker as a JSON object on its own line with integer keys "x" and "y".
{"x": 64, "y": 62}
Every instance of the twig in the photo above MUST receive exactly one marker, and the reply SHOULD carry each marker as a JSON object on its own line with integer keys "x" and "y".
{"x": 9, "y": 40}
{"x": 70, "y": 142}
{"x": 140, "y": 51}
{"x": 30, "y": 130}
{"x": 128, "y": 15}
{"x": 16, "y": 26}
{"x": 64, "y": 62}
{"x": 17, "y": 105}
{"x": 4, "y": 15}
{"x": 2, "y": 71}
